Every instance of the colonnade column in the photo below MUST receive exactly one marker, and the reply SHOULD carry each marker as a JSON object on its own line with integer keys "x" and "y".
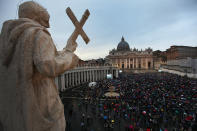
{"x": 137, "y": 61}
{"x": 66, "y": 80}
{"x": 88, "y": 77}
{"x": 85, "y": 77}
{"x": 133, "y": 62}
{"x": 82, "y": 77}
{"x": 91, "y": 72}
{"x": 71, "y": 82}
{"x": 101, "y": 74}
{"x": 79, "y": 77}
{"x": 146, "y": 63}
{"x": 62, "y": 87}
{"x": 93, "y": 77}
{"x": 104, "y": 74}
{"x": 116, "y": 73}
{"x": 70, "y": 79}
{"x": 96, "y": 75}
{"x": 72, "y": 76}
{"x": 129, "y": 62}
{"x": 75, "y": 80}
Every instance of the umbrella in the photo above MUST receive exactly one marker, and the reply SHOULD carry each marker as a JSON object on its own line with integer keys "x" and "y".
{"x": 144, "y": 112}
{"x": 92, "y": 84}
{"x": 188, "y": 118}
{"x": 105, "y": 117}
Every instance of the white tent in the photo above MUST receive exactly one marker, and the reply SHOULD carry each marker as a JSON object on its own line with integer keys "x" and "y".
{"x": 92, "y": 84}
{"x": 112, "y": 94}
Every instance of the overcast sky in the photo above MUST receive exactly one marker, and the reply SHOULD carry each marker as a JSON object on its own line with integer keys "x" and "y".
{"x": 144, "y": 23}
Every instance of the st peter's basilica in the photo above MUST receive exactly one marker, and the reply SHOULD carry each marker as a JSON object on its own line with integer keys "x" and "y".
{"x": 126, "y": 58}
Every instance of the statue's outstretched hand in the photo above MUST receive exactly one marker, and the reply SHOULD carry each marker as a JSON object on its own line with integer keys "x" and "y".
{"x": 71, "y": 45}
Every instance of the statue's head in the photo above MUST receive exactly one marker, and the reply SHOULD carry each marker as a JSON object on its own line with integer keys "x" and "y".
{"x": 34, "y": 11}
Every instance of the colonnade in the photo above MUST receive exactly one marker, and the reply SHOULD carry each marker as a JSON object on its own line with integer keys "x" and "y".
{"x": 81, "y": 75}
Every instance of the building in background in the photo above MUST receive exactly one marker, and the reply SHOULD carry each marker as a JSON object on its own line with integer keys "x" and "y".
{"x": 93, "y": 62}
{"x": 181, "y": 52}
{"x": 181, "y": 60}
{"x": 160, "y": 59}
{"x": 130, "y": 59}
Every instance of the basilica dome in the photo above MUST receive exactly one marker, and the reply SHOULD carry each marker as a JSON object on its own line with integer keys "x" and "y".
{"x": 123, "y": 45}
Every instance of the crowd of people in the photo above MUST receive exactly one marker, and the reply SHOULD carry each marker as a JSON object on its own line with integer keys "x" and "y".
{"x": 150, "y": 101}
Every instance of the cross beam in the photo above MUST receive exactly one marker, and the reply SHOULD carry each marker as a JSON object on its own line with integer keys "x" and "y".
{"x": 79, "y": 25}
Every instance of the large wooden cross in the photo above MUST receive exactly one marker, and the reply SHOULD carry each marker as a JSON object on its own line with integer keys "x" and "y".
{"x": 79, "y": 25}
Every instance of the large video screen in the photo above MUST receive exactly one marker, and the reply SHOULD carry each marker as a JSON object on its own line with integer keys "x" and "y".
{"x": 109, "y": 76}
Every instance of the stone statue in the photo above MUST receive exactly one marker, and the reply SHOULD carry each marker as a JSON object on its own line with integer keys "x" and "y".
{"x": 29, "y": 62}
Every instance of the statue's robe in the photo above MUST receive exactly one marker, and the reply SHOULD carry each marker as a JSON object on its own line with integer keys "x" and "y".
{"x": 29, "y": 62}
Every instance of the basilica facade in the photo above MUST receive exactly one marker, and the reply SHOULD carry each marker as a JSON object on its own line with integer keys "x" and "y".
{"x": 126, "y": 58}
